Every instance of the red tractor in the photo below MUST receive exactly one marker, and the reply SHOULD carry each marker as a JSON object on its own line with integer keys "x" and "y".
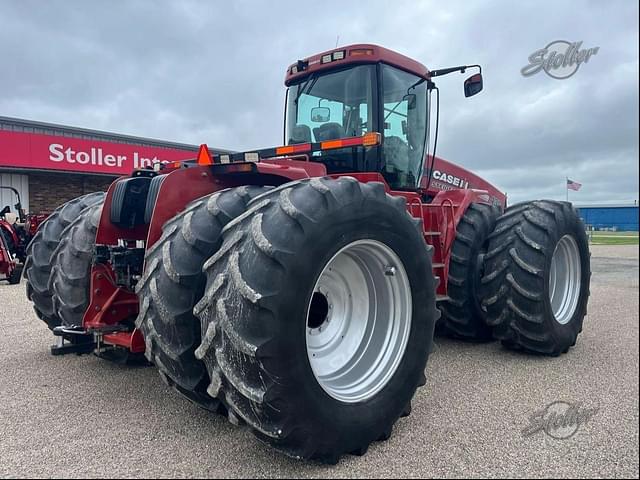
{"x": 296, "y": 289}
{"x": 16, "y": 231}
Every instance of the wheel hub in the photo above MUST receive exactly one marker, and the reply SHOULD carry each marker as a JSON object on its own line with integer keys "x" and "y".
{"x": 358, "y": 321}
{"x": 565, "y": 279}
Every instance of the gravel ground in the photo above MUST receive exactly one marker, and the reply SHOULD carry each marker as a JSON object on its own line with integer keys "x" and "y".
{"x": 84, "y": 417}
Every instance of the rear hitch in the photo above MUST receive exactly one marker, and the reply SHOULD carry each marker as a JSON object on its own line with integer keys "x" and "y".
{"x": 72, "y": 340}
{"x": 76, "y": 339}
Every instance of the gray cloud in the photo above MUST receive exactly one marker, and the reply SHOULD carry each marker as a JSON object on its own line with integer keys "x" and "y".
{"x": 196, "y": 71}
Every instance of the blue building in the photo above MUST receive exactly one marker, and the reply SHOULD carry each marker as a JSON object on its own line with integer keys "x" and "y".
{"x": 610, "y": 217}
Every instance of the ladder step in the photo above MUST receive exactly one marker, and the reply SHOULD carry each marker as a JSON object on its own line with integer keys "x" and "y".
{"x": 438, "y": 265}
{"x": 442, "y": 298}
{"x": 433, "y": 234}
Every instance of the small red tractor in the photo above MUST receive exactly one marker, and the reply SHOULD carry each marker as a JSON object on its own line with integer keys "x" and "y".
{"x": 296, "y": 289}
{"x": 16, "y": 231}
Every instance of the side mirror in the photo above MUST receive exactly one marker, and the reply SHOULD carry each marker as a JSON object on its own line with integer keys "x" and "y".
{"x": 320, "y": 114}
{"x": 473, "y": 85}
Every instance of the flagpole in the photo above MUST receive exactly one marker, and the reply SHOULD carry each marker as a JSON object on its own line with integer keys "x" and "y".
{"x": 566, "y": 186}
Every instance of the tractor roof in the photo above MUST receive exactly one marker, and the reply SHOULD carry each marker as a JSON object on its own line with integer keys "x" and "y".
{"x": 352, "y": 54}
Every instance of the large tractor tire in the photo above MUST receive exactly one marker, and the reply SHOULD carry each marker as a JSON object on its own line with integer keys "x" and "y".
{"x": 537, "y": 275}
{"x": 173, "y": 282}
{"x": 37, "y": 268}
{"x": 462, "y": 314}
{"x": 71, "y": 267}
{"x": 318, "y": 316}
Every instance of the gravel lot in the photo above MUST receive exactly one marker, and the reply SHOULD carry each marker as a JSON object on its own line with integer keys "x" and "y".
{"x": 82, "y": 416}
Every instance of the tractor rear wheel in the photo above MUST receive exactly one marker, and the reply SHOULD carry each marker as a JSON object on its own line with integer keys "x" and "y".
{"x": 37, "y": 268}
{"x": 462, "y": 314}
{"x": 537, "y": 275}
{"x": 318, "y": 316}
{"x": 71, "y": 266}
{"x": 173, "y": 282}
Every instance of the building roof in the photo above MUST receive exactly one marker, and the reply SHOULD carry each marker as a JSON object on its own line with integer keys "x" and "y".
{"x": 608, "y": 205}
{"x": 31, "y": 126}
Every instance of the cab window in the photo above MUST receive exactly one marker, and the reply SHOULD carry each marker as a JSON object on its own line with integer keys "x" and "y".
{"x": 332, "y": 106}
{"x": 404, "y": 123}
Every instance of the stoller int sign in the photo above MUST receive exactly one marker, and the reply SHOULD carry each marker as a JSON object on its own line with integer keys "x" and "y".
{"x": 49, "y": 152}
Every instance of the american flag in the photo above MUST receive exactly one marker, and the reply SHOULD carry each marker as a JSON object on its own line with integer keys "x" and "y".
{"x": 573, "y": 185}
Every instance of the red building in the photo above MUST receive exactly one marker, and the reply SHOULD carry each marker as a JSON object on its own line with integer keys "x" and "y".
{"x": 50, "y": 164}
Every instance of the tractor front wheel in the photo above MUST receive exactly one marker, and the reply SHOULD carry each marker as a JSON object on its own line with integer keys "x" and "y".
{"x": 318, "y": 316}
{"x": 537, "y": 276}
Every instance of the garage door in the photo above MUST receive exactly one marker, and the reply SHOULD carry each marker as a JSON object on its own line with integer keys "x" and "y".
{"x": 20, "y": 183}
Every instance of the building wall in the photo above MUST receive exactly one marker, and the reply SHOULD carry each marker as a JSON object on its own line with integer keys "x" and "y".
{"x": 18, "y": 181}
{"x": 48, "y": 190}
{"x": 622, "y": 218}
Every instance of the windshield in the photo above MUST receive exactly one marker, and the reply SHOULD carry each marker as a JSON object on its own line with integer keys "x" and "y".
{"x": 341, "y": 104}
{"x": 331, "y": 106}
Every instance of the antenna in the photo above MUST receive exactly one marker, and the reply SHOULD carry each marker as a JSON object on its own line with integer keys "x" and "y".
{"x": 337, "y": 40}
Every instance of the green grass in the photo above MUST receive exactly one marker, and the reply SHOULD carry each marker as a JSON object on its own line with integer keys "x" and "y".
{"x": 614, "y": 238}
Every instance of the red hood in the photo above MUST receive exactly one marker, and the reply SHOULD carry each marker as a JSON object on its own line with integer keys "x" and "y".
{"x": 449, "y": 176}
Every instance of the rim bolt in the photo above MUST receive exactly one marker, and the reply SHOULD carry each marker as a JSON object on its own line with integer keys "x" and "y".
{"x": 390, "y": 271}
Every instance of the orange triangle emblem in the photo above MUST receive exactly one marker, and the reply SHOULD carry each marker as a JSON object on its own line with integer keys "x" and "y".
{"x": 204, "y": 157}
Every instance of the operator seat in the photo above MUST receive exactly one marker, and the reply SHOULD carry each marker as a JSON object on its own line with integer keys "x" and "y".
{"x": 328, "y": 131}
{"x": 300, "y": 134}
{"x": 10, "y": 218}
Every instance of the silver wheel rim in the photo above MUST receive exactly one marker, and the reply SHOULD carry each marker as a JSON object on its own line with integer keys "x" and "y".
{"x": 565, "y": 279}
{"x": 358, "y": 321}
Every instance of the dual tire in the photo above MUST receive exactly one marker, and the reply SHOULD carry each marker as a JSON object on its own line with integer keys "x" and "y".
{"x": 41, "y": 254}
{"x": 536, "y": 279}
{"x": 522, "y": 277}
{"x": 173, "y": 282}
{"x": 463, "y": 316}
{"x": 266, "y": 306}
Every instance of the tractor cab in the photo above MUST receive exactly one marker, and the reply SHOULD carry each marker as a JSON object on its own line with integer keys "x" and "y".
{"x": 359, "y": 89}
{"x": 356, "y": 94}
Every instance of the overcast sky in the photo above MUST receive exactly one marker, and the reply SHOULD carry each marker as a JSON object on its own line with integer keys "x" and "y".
{"x": 206, "y": 71}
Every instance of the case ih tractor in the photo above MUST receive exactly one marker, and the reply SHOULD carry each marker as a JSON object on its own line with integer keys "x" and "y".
{"x": 16, "y": 231}
{"x": 296, "y": 289}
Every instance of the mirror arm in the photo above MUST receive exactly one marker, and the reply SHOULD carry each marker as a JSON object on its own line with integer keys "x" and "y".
{"x": 446, "y": 71}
